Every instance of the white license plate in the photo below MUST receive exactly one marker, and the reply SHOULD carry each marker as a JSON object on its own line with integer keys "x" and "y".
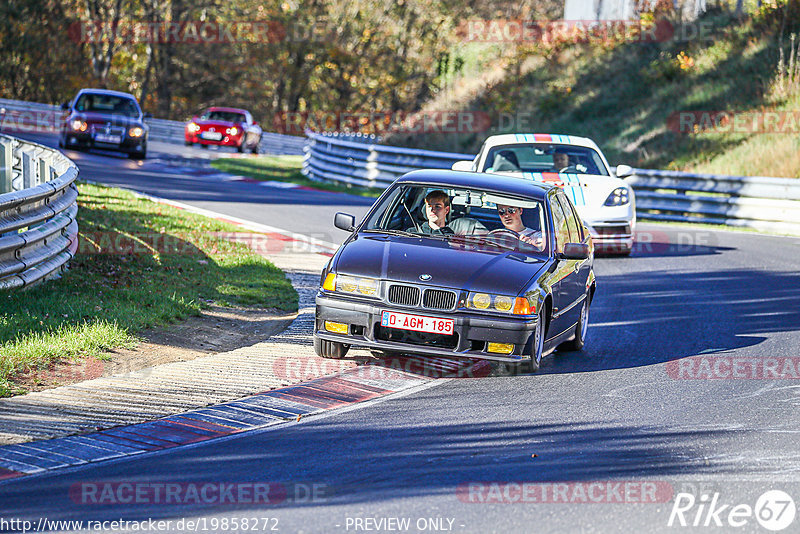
{"x": 213, "y": 136}
{"x": 103, "y": 138}
{"x": 419, "y": 323}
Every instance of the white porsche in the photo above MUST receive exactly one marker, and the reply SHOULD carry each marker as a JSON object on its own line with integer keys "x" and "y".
{"x": 576, "y": 164}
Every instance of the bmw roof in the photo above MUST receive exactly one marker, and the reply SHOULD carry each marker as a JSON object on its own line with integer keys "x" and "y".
{"x": 495, "y": 182}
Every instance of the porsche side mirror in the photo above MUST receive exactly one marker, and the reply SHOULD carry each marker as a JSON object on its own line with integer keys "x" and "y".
{"x": 463, "y": 165}
{"x": 623, "y": 171}
{"x": 344, "y": 221}
{"x": 575, "y": 251}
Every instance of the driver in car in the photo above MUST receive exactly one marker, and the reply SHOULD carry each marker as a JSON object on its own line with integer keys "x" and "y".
{"x": 511, "y": 217}
{"x": 560, "y": 161}
{"x": 437, "y": 210}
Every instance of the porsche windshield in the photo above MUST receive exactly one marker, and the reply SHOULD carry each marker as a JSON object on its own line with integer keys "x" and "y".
{"x": 451, "y": 213}
{"x": 544, "y": 157}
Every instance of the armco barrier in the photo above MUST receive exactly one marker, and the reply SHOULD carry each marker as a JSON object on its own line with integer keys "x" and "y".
{"x": 32, "y": 117}
{"x": 38, "y": 207}
{"x": 768, "y": 204}
{"x": 761, "y": 203}
{"x": 361, "y": 161}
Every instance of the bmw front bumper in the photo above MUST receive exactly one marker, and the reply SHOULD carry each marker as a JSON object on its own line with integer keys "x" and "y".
{"x": 471, "y": 331}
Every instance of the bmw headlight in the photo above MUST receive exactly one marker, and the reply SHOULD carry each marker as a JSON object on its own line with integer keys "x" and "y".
{"x": 78, "y": 125}
{"x": 618, "y": 197}
{"x": 136, "y": 131}
{"x": 232, "y": 130}
{"x": 498, "y": 303}
{"x": 355, "y": 285}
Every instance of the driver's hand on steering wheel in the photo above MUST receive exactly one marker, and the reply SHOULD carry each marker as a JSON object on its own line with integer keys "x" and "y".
{"x": 536, "y": 241}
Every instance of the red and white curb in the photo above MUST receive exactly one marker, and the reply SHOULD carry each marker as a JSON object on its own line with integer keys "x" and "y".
{"x": 279, "y": 406}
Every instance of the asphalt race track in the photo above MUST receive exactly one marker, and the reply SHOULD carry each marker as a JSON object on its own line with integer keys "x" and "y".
{"x": 682, "y": 407}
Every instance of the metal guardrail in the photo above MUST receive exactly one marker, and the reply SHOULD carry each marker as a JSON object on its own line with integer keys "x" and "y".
{"x": 758, "y": 202}
{"x": 361, "y": 161}
{"x": 762, "y": 203}
{"x": 38, "y": 230}
{"x": 32, "y": 117}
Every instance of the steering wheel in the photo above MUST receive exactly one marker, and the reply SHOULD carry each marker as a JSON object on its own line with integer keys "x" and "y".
{"x": 506, "y": 231}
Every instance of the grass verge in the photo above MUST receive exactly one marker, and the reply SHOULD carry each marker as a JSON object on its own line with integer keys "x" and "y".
{"x": 138, "y": 264}
{"x": 285, "y": 169}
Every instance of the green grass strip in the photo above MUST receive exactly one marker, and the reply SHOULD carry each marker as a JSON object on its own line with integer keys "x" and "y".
{"x": 139, "y": 264}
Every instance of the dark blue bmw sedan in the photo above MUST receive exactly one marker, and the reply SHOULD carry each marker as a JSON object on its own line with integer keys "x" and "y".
{"x": 450, "y": 263}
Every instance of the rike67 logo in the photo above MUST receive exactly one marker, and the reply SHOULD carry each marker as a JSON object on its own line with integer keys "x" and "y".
{"x": 774, "y": 510}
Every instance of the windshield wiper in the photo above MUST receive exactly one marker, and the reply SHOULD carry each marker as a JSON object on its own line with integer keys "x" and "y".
{"x": 391, "y": 232}
{"x": 490, "y": 240}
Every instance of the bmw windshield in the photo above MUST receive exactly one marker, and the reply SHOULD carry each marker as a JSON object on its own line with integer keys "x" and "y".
{"x": 461, "y": 215}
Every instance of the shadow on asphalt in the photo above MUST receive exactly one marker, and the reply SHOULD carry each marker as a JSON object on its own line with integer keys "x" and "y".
{"x": 665, "y": 315}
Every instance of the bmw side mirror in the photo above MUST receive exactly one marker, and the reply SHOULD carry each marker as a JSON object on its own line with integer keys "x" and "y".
{"x": 148, "y": 115}
{"x": 575, "y": 251}
{"x": 623, "y": 171}
{"x": 65, "y": 106}
{"x": 463, "y": 165}
{"x": 344, "y": 221}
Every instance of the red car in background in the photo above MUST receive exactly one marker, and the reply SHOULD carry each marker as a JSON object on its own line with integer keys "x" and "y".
{"x": 224, "y": 127}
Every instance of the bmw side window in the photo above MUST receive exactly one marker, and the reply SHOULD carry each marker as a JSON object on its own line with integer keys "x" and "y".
{"x": 559, "y": 224}
{"x": 572, "y": 224}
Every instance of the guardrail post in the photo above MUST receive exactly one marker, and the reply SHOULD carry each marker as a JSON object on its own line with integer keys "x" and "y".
{"x": 28, "y": 171}
{"x": 6, "y": 163}
{"x": 42, "y": 175}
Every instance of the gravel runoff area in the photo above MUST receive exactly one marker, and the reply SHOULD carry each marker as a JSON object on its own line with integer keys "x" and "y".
{"x": 284, "y": 359}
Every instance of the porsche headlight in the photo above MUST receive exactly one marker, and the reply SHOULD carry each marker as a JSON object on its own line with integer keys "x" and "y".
{"x": 498, "y": 303}
{"x": 355, "y": 285}
{"x": 232, "y": 130}
{"x": 193, "y": 127}
{"x": 618, "y": 197}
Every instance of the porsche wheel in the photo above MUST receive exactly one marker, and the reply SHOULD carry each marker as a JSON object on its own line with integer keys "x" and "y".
{"x": 330, "y": 349}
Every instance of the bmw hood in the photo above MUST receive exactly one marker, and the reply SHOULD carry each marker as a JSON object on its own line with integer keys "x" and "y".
{"x": 438, "y": 262}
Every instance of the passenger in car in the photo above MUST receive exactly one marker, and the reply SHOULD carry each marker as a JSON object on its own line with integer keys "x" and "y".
{"x": 511, "y": 217}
